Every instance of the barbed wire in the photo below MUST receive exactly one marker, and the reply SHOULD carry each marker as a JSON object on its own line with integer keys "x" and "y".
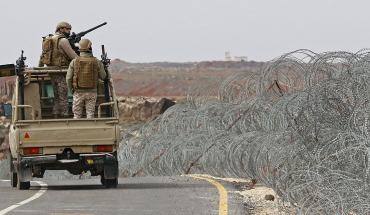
{"x": 299, "y": 125}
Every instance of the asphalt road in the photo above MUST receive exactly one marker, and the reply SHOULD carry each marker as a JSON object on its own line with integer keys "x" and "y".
{"x": 149, "y": 195}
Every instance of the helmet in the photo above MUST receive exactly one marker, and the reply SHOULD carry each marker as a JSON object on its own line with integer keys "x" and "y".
{"x": 63, "y": 25}
{"x": 84, "y": 45}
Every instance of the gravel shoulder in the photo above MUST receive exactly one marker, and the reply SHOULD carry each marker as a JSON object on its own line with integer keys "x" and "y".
{"x": 254, "y": 199}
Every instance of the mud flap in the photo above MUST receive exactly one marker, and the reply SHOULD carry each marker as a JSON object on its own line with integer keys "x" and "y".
{"x": 110, "y": 167}
{"x": 24, "y": 173}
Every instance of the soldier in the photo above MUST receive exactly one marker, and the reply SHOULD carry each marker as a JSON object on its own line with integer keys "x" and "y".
{"x": 82, "y": 80}
{"x": 57, "y": 51}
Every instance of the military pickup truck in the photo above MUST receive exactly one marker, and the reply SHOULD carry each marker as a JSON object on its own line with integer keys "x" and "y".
{"x": 38, "y": 142}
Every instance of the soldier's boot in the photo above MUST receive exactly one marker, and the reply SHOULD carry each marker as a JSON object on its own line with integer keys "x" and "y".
{"x": 56, "y": 116}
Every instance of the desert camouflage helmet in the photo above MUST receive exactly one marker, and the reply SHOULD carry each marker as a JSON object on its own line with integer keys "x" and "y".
{"x": 63, "y": 25}
{"x": 84, "y": 45}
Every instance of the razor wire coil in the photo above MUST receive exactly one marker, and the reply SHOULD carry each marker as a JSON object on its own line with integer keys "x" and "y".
{"x": 298, "y": 125}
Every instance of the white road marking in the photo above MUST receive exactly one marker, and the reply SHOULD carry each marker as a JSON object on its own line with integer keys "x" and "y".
{"x": 42, "y": 190}
{"x": 4, "y": 180}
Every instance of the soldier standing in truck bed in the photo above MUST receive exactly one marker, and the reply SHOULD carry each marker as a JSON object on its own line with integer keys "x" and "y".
{"x": 83, "y": 79}
{"x": 57, "y": 51}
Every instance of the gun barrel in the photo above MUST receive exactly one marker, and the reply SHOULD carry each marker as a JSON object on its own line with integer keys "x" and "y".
{"x": 85, "y": 32}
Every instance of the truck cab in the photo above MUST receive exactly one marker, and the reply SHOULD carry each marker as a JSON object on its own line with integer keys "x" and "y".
{"x": 38, "y": 142}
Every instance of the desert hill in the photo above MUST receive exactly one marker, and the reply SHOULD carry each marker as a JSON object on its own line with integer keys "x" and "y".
{"x": 159, "y": 79}
{"x": 168, "y": 78}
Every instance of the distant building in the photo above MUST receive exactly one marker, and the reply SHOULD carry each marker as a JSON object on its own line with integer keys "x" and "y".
{"x": 227, "y": 56}
{"x": 242, "y": 59}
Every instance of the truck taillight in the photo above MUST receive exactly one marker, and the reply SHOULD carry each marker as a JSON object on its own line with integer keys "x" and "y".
{"x": 31, "y": 151}
{"x": 102, "y": 148}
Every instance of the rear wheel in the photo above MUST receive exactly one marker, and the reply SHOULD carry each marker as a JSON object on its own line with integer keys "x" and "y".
{"x": 23, "y": 185}
{"x": 111, "y": 183}
{"x": 13, "y": 179}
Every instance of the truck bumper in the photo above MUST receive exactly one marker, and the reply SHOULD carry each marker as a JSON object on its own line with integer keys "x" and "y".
{"x": 97, "y": 164}
{"x": 87, "y": 158}
{"x": 39, "y": 160}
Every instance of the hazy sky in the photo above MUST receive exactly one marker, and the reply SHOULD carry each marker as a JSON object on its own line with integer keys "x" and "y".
{"x": 188, "y": 30}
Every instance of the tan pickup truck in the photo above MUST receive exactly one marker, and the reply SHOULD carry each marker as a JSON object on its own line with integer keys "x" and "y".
{"x": 38, "y": 142}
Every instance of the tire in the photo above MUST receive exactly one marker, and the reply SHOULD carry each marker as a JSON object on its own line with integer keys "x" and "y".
{"x": 23, "y": 185}
{"x": 111, "y": 183}
{"x": 13, "y": 179}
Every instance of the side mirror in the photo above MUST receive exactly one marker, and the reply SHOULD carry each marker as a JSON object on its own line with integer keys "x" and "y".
{"x": 7, "y": 109}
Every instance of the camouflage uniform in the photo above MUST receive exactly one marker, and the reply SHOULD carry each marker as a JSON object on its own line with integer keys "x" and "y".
{"x": 62, "y": 55}
{"x": 60, "y": 94}
{"x": 84, "y": 98}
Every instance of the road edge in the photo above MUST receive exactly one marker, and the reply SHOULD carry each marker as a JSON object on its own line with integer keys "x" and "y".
{"x": 222, "y": 191}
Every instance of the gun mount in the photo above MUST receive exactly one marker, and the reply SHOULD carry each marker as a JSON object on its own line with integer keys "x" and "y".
{"x": 75, "y": 38}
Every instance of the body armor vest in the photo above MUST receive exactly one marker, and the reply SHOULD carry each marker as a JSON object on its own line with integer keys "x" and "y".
{"x": 51, "y": 55}
{"x": 86, "y": 73}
